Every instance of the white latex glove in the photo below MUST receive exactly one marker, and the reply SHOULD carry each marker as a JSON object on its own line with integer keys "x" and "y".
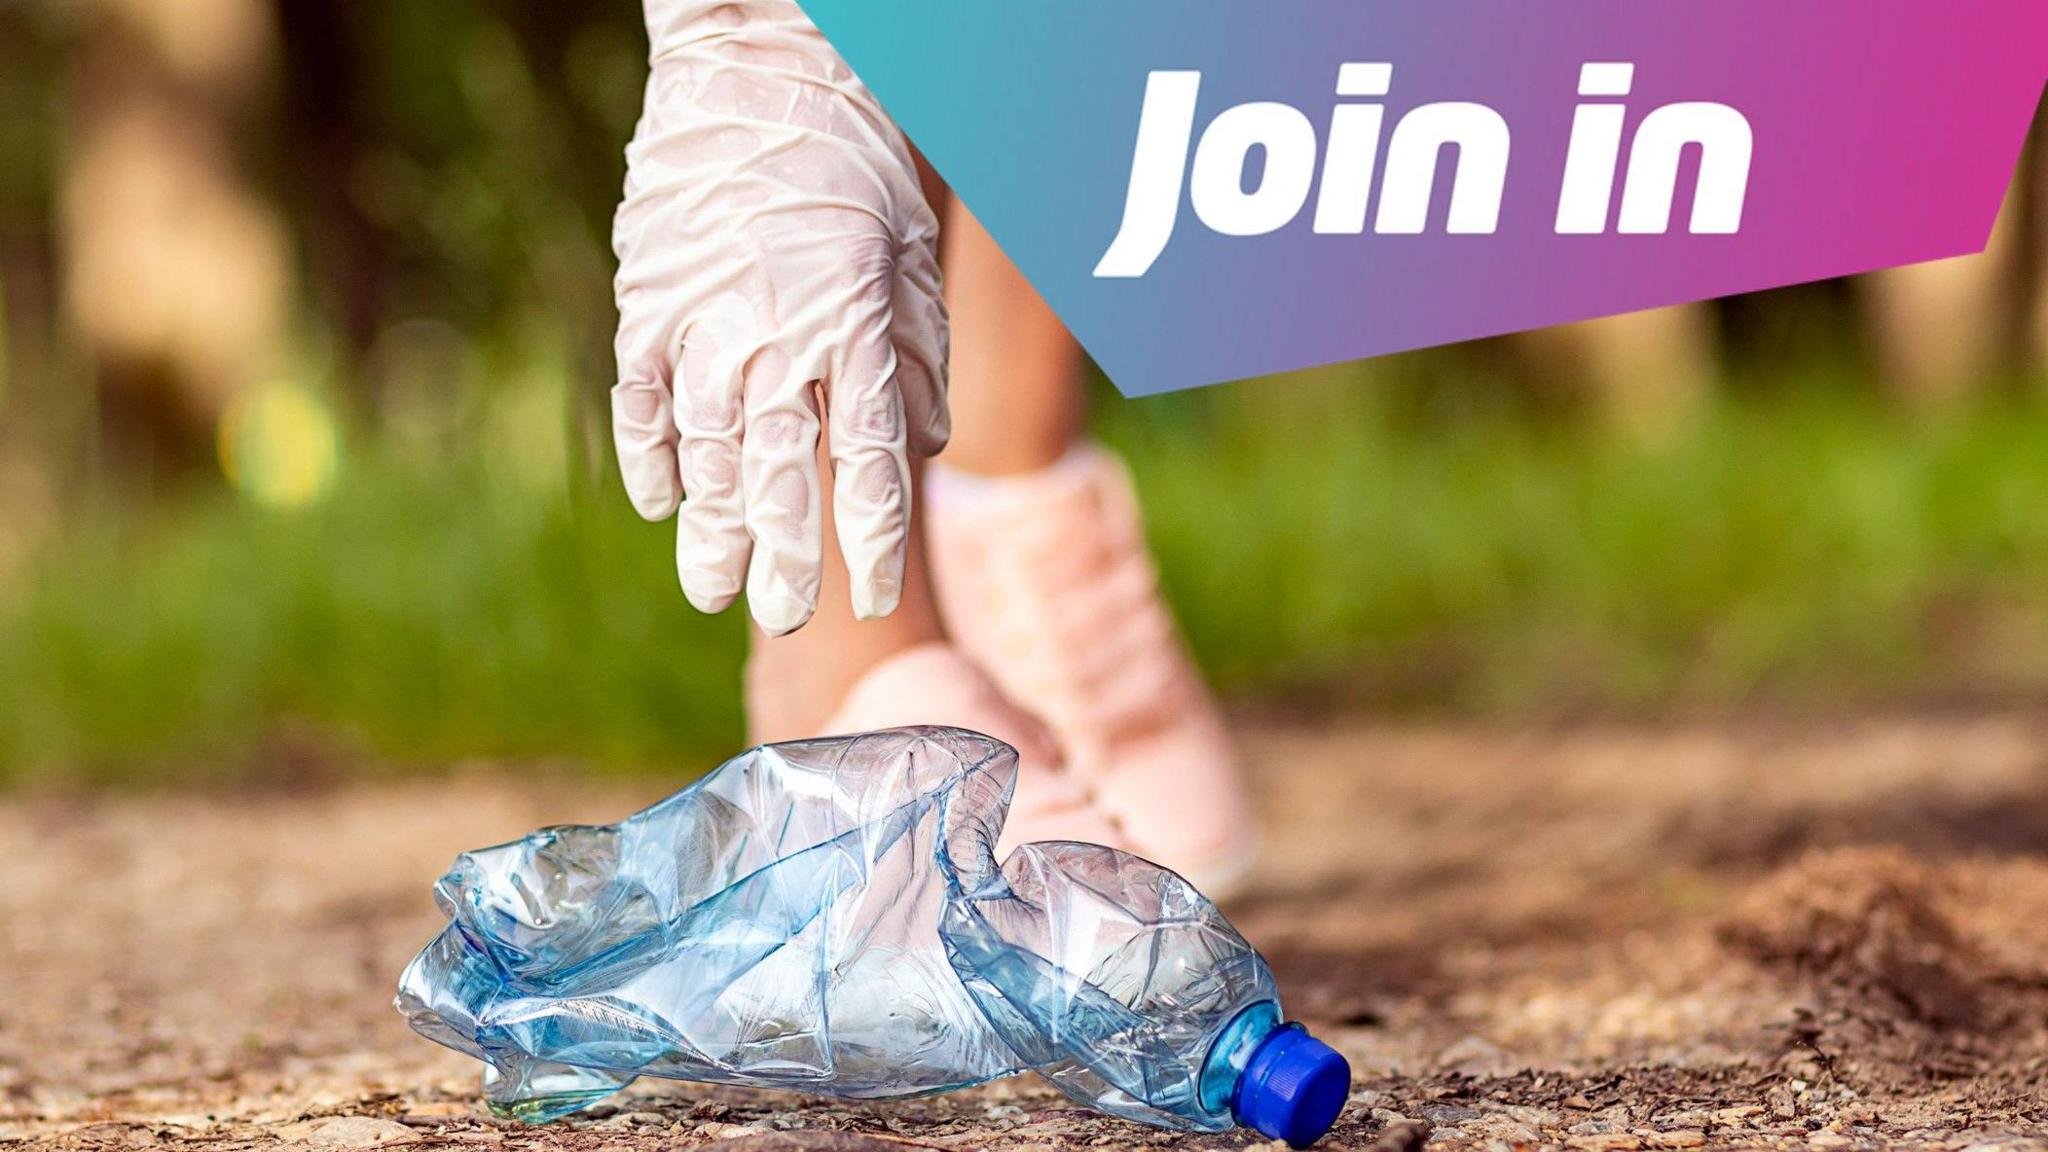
{"x": 777, "y": 262}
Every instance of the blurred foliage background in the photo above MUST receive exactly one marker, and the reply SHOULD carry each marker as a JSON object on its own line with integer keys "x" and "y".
{"x": 303, "y": 459}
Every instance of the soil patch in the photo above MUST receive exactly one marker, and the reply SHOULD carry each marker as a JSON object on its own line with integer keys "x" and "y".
{"x": 1759, "y": 935}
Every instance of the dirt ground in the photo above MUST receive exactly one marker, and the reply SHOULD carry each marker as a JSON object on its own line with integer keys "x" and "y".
{"x": 1759, "y": 935}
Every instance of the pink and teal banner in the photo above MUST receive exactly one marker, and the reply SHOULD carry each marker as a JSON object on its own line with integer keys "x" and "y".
{"x": 1212, "y": 189}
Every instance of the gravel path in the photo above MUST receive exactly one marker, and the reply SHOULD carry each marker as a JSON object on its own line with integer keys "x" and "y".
{"x": 1762, "y": 935}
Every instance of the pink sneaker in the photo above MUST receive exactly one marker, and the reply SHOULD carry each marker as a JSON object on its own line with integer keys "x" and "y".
{"x": 936, "y": 684}
{"x": 1044, "y": 580}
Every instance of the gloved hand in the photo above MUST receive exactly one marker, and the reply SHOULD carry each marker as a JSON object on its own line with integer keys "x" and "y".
{"x": 777, "y": 262}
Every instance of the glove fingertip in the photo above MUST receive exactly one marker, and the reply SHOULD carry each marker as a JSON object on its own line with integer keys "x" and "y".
{"x": 711, "y": 604}
{"x": 780, "y": 615}
{"x": 707, "y": 583}
{"x": 931, "y": 440}
{"x": 654, "y": 507}
{"x": 876, "y": 597}
{"x": 652, "y": 486}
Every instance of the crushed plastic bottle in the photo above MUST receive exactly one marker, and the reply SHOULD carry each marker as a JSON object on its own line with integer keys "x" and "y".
{"x": 830, "y": 916}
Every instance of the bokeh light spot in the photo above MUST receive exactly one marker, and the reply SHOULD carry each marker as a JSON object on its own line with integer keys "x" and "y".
{"x": 279, "y": 445}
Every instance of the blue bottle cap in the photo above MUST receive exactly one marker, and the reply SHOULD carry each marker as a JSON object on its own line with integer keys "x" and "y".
{"x": 1293, "y": 1087}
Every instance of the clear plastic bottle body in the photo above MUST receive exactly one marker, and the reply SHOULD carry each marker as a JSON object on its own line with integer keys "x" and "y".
{"x": 829, "y": 916}
{"x": 1108, "y": 975}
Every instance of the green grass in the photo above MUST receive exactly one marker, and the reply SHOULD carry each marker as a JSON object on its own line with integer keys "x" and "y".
{"x": 417, "y": 615}
{"x": 1323, "y": 539}
{"x": 1816, "y": 551}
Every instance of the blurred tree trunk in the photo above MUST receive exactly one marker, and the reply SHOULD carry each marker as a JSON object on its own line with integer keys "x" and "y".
{"x": 38, "y": 423}
{"x": 32, "y": 428}
{"x": 1942, "y": 330}
{"x": 177, "y": 275}
{"x": 1644, "y": 372}
{"x": 2038, "y": 240}
{"x": 348, "y": 255}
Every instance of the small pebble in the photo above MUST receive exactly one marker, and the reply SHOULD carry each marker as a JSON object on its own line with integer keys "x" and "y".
{"x": 1604, "y": 1142}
